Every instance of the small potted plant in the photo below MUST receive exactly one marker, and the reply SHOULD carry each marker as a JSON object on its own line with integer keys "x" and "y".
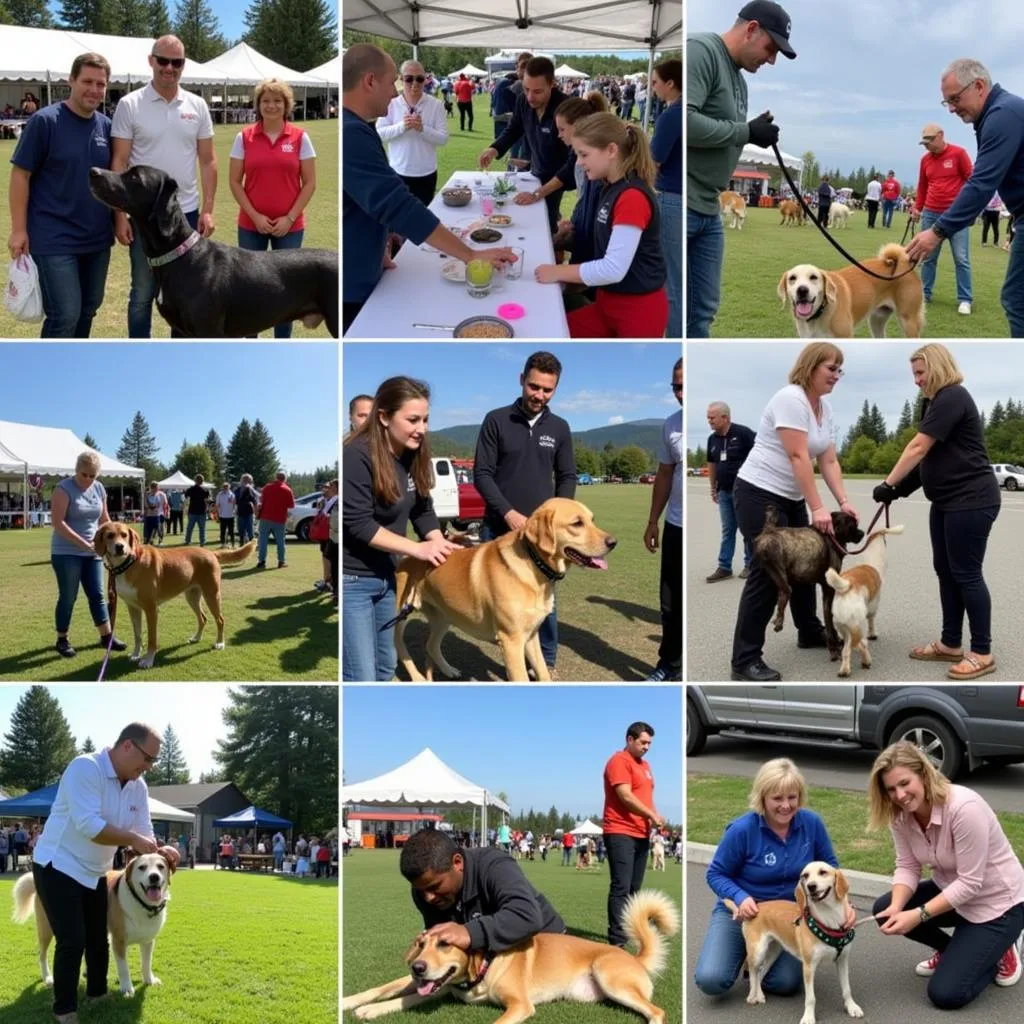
{"x": 503, "y": 191}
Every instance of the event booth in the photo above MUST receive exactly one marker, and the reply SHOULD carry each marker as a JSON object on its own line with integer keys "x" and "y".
{"x": 38, "y": 803}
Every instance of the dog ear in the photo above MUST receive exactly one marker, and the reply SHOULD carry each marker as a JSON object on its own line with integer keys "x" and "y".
{"x": 540, "y": 531}
{"x": 414, "y": 949}
{"x": 842, "y": 885}
{"x": 165, "y": 206}
{"x": 99, "y": 542}
{"x": 171, "y": 866}
{"x": 475, "y": 964}
{"x": 781, "y": 290}
{"x": 801, "y": 897}
{"x": 831, "y": 292}
{"x": 134, "y": 541}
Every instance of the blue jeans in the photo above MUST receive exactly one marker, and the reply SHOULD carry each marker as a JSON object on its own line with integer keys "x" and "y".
{"x": 367, "y": 651}
{"x": 253, "y": 241}
{"x": 1012, "y": 295}
{"x": 245, "y": 529}
{"x": 266, "y": 529}
{"x": 72, "y": 287}
{"x": 640, "y": 104}
{"x": 194, "y": 521}
{"x": 143, "y": 291}
{"x": 727, "y": 513}
{"x": 705, "y": 251}
{"x": 670, "y": 206}
{"x": 888, "y": 208}
{"x": 722, "y": 956}
{"x": 960, "y": 244}
{"x": 151, "y": 528}
{"x": 72, "y": 571}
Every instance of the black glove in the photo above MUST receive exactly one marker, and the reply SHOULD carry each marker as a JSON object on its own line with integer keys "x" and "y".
{"x": 885, "y": 494}
{"x": 763, "y": 132}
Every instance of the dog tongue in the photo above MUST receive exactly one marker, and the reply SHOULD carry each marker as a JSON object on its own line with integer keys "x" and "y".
{"x": 153, "y": 894}
{"x": 804, "y": 308}
{"x": 598, "y": 563}
{"x": 425, "y": 989}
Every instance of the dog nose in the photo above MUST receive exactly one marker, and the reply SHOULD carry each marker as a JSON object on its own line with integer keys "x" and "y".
{"x": 812, "y": 886}
{"x": 419, "y": 968}
{"x": 802, "y": 291}
{"x": 610, "y": 542}
{"x": 154, "y": 879}
{"x": 118, "y": 549}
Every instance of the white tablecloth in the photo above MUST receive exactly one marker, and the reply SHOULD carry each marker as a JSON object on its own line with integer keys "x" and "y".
{"x": 415, "y": 292}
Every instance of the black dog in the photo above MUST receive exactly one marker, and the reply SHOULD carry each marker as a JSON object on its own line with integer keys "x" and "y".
{"x": 210, "y": 290}
{"x": 801, "y": 554}
{"x": 448, "y": 108}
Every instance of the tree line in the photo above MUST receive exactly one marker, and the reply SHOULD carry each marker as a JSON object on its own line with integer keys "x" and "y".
{"x": 537, "y": 822}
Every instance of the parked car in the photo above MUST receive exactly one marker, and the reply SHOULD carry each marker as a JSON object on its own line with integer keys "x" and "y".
{"x": 647, "y": 478}
{"x": 300, "y": 518}
{"x": 958, "y": 726}
{"x": 615, "y": 479}
{"x": 456, "y": 499}
{"x": 1009, "y": 476}
{"x": 584, "y": 479}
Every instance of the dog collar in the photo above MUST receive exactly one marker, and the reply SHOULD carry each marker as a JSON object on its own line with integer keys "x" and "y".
{"x": 838, "y": 940}
{"x": 149, "y": 908}
{"x": 465, "y": 986}
{"x": 821, "y": 309}
{"x": 170, "y": 257}
{"x": 123, "y": 567}
{"x": 540, "y": 563}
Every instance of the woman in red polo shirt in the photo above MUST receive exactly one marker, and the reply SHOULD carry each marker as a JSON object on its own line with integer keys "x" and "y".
{"x": 273, "y": 176}
{"x": 464, "y": 96}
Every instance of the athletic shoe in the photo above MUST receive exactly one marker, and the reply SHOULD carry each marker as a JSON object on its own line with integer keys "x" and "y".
{"x": 926, "y": 968}
{"x": 64, "y": 648}
{"x": 964, "y": 309}
{"x": 115, "y": 644}
{"x": 1009, "y": 970}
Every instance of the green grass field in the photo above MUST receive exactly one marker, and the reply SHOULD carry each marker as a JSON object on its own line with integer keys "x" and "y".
{"x": 609, "y": 623}
{"x": 276, "y": 626}
{"x": 111, "y": 321}
{"x": 758, "y": 255}
{"x": 379, "y": 921}
{"x": 236, "y": 947}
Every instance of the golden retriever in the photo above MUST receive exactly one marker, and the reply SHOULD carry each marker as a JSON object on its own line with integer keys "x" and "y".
{"x": 146, "y": 577}
{"x": 830, "y": 304}
{"x": 733, "y": 208}
{"x": 792, "y": 213}
{"x": 542, "y": 969}
{"x": 839, "y": 215}
{"x": 502, "y": 589}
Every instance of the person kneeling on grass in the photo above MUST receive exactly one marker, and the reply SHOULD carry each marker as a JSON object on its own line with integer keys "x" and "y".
{"x": 474, "y": 898}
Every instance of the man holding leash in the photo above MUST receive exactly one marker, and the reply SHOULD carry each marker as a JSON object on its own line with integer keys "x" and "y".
{"x": 716, "y": 132}
{"x": 102, "y": 803}
{"x": 998, "y": 119}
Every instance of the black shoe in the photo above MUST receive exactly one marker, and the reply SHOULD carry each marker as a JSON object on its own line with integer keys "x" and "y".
{"x": 64, "y": 648}
{"x": 261, "y": 565}
{"x": 808, "y": 640}
{"x": 115, "y": 644}
{"x": 756, "y": 672}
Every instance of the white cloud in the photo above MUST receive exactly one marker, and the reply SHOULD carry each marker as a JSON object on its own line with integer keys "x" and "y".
{"x": 614, "y": 421}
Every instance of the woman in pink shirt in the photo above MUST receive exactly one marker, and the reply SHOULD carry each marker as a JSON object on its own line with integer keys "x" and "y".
{"x": 977, "y": 883}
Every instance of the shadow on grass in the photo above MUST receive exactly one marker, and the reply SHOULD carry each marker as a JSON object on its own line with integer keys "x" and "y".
{"x": 35, "y": 1006}
{"x": 302, "y": 617}
{"x": 628, "y": 610}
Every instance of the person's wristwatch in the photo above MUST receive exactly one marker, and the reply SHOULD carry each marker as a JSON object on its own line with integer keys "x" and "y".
{"x": 939, "y": 233}
{"x": 536, "y": 194}
{"x": 924, "y": 914}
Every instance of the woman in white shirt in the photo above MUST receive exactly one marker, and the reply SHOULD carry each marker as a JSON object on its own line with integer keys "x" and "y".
{"x": 226, "y": 515}
{"x": 413, "y": 128}
{"x": 796, "y": 427}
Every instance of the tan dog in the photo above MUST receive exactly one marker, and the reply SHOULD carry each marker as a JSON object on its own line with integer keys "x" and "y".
{"x": 839, "y": 215}
{"x": 733, "y": 208}
{"x": 658, "y": 853}
{"x": 543, "y": 969}
{"x": 146, "y": 577}
{"x": 830, "y": 304}
{"x": 792, "y": 213}
{"x": 500, "y": 590}
{"x": 821, "y": 894}
{"x": 858, "y": 591}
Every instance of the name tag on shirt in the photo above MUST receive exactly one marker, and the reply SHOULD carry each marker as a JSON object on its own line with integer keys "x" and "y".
{"x": 723, "y": 456}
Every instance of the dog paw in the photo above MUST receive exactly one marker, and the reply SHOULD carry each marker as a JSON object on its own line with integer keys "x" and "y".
{"x": 218, "y": 647}
{"x": 153, "y": 981}
{"x": 843, "y": 673}
{"x": 755, "y": 998}
{"x": 368, "y": 1012}
{"x": 853, "y": 1009}
{"x": 808, "y": 1018}
{"x": 135, "y": 655}
{"x": 147, "y": 661}
{"x": 127, "y": 993}
{"x": 48, "y": 982}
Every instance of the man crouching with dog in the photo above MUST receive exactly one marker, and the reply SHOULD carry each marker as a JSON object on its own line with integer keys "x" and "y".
{"x": 102, "y": 803}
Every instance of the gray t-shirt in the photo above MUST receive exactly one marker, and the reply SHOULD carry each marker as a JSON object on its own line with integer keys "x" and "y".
{"x": 83, "y": 516}
{"x": 670, "y": 452}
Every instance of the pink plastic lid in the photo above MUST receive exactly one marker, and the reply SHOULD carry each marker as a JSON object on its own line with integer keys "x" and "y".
{"x": 511, "y": 311}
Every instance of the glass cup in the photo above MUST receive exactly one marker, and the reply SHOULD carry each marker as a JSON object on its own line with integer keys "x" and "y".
{"x": 514, "y": 271}
{"x": 487, "y": 206}
{"x": 479, "y": 274}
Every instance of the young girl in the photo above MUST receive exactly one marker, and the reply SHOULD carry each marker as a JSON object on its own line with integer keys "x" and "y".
{"x": 628, "y": 268}
{"x": 387, "y": 477}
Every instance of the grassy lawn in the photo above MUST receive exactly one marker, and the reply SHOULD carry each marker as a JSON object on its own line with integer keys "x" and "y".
{"x": 112, "y": 319}
{"x": 609, "y": 623}
{"x": 757, "y": 256}
{"x": 379, "y": 921}
{"x": 236, "y": 946}
{"x": 276, "y": 626}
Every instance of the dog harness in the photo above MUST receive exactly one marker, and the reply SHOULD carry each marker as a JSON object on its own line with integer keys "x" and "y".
{"x": 170, "y": 257}
{"x": 838, "y": 940}
{"x": 123, "y": 567}
{"x": 541, "y": 564}
{"x": 149, "y": 908}
{"x": 465, "y": 986}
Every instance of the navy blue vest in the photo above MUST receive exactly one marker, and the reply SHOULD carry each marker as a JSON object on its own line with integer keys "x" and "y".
{"x": 647, "y": 272}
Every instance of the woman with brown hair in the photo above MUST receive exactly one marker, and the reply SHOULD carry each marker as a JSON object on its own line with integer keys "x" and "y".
{"x": 387, "y": 478}
{"x": 667, "y": 151}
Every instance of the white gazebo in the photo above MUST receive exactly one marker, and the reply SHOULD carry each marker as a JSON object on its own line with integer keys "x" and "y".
{"x": 470, "y": 71}
{"x": 177, "y": 481}
{"x": 753, "y": 159}
{"x": 565, "y": 71}
{"x": 588, "y": 828}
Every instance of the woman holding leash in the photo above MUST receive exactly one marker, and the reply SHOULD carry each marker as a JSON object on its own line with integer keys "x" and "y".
{"x": 760, "y": 857}
{"x": 976, "y": 885}
{"x": 795, "y": 428}
{"x": 387, "y": 477}
{"x": 948, "y": 458}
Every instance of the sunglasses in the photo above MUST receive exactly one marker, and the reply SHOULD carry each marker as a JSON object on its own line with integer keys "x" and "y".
{"x": 414, "y": 78}
{"x": 176, "y": 62}
{"x": 149, "y": 758}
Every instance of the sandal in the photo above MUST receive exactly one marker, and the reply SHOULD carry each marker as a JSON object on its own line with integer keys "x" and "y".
{"x": 930, "y": 652}
{"x": 978, "y": 668}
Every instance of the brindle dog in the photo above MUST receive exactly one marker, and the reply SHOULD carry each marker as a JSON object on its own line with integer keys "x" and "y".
{"x": 801, "y": 554}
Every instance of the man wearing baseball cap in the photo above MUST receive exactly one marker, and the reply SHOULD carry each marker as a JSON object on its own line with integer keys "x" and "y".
{"x": 717, "y": 130}
{"x": 998, "y": 119}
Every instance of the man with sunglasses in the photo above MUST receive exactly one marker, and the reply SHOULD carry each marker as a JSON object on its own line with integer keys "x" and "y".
{"x": 998, "y": 119}
{"x": 163, "y": 126}
{"x": 102, "y": 803}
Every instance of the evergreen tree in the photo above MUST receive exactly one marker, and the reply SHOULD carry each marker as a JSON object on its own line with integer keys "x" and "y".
{"x": 39, "y": 745}
{"x": 193, "y": 459}
{"x": 906, "y": 418}
{"x": 239, "y": 453}
{"x": 131, "y": 18}
{"x": 90, "y": 442}
{"x": 158, "y": 20}
{"x": 218, "y": 456}
{"x": 196, "y": 25}
{"x": 170, "y": 768}
{"x": 139, "y": 447}
{"x": 918, "y": 407}
{"x": 878, "y": 428}
{"x": 997, "y": 416}
{"x": 5, "y": 18}
{"x": 29, "y": 13}
{"x": 211, "y": 777}
{"x": 88, "y": 747}
{"x": 87, "y": 15}
{"x": 264, "y": 462}
{"x": 300, "y": 34}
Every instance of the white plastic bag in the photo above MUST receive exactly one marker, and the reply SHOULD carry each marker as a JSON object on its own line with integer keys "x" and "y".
{"x": 23, "y": 297}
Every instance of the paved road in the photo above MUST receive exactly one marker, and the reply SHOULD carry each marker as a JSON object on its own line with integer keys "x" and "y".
{"x": 909, "y": 612}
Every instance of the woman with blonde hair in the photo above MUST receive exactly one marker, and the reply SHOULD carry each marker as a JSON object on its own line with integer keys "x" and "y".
{"x": 796, "y": 428}
{"x": 760, "y": 857}
{"x": 976, "y": 885}
{"x": 948, "y": 458}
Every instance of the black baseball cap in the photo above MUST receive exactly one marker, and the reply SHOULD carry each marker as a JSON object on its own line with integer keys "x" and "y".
{"x": 774, "y": 20}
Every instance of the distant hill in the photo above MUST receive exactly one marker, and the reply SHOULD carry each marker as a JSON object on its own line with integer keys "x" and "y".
{"x": 646, "y": 434}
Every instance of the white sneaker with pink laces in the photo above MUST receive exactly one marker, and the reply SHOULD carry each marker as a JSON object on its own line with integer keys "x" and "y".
{"x": 926, "y": 968}
{"x": 1009, "y": 970}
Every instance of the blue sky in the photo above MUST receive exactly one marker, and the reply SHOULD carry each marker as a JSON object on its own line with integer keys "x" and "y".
{"x": 229, "y": 14}
{"x": 602, "y": 383}
{"x": 182, "y": 389}
{"x": 541, "y": 745}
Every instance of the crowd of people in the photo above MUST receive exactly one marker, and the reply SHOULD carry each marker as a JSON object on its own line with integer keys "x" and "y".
{"x": 312, "y": 857}
{"x": 17, "y": 844}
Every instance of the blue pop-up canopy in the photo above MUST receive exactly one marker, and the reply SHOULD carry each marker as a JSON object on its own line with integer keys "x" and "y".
{"x": 30, "y": 805}
{"x": 252, "y": 817}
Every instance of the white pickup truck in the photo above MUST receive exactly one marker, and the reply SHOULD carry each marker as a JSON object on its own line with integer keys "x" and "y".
{"x": 1009, "y": 476}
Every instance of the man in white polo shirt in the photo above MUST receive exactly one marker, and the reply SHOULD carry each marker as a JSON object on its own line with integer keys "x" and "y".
{"x": 102, "y": 803}
{"x": 163, "y": 126}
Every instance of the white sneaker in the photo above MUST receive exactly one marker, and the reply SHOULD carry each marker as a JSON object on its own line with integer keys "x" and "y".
{"x": 926, "y": 968}
{"x": 964, "y": 308}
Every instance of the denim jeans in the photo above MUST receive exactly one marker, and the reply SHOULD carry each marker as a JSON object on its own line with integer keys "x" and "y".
{"x": 960, "y": 244}
{"x": 194, "y": 521}
{"x": 627, "y": 862}
{"x": 1012, "y": 295}
{"x": 722, "y": 956}
{"x": 266, "y": 529}
{"x": 705, "y": 251}
{"x": 888, "y": 208}
{"x": 367, "y": 651}
{"x": 253, "y": 241}
{"x": 245, "y": 529}
{"x": 72, "y": 287}
{"x": 143, "y": 291}
{"x": 73, "y": 571}
{"x": 727, "y": 513}
{"x": 670, "y": 207}
{"x": 151, "y": 528}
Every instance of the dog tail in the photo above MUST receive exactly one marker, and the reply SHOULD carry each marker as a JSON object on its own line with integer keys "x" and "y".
{"x": 24, "y": 904}
{"x": 894, "y": 256}
{"x": 836, "y": 582}
{"x": 649, "y": 918}
{"x": 236, "y": 555}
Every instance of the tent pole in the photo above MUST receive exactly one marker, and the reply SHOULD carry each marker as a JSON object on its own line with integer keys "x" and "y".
{"x": 24, "y": 499}
{"x": 647, "y": 105}
{"x": 483, "y": 821}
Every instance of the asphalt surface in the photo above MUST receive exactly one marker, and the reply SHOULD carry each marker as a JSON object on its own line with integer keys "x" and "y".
{"x": 909, "y": 613}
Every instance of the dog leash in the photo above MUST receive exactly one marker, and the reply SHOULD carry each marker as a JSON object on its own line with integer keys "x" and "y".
{"x": 911, "y": 227}
{"x": 112, "y": 604}
{"x": 800, "y": 199}
{"x": 843, "y": 552}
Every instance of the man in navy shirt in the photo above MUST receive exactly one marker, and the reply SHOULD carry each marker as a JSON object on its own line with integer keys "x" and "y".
{"x": 54, "y": 217}
{"x": 728, "y": 447}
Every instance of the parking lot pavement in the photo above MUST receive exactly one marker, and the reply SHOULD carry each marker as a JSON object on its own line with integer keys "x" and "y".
{"x": 882, "y": 979}
{"x": 909, "y": 613}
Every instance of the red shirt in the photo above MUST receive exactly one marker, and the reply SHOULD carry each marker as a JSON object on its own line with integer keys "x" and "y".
{"x": 464, "y": 90}
{"x": 271, "y": 173}
{"x": 941, "y": 178}
{"x": 890, "y": 189}
{"x": 568, "y": 841}
{"x": 633, "y": 209}
{"x": 275, "y": 500}
{"x": 619, "y": 819}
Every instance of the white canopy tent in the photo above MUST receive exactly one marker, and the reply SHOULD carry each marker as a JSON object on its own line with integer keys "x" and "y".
{"x": 766, "y": 158}
{"x": 588, "y": 828}
{"x": 565, "y": 71}
{"x": 330, "y": 71}
{"x": 470, "y": 71}
{"x": 178, "y": 481}
{"x": 244, "y": 64}
{"x": 423, "y": 782}
{"x": 159, "y": 811}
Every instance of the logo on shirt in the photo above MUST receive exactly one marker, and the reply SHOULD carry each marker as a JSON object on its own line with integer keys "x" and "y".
{"x": 546, "y": 131}
{"x": 602, "y": 213}
{"x": 99, "y": 140}
{"x": 947, "y": 164}
{"x": 769, "y": 858}
{"x": 133, "y": 809}
{"x": 187, "y": 116}
{"x": 410, "y": 484}
{"x": 546, "y": 441}
{"x": 287, "y": 147}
